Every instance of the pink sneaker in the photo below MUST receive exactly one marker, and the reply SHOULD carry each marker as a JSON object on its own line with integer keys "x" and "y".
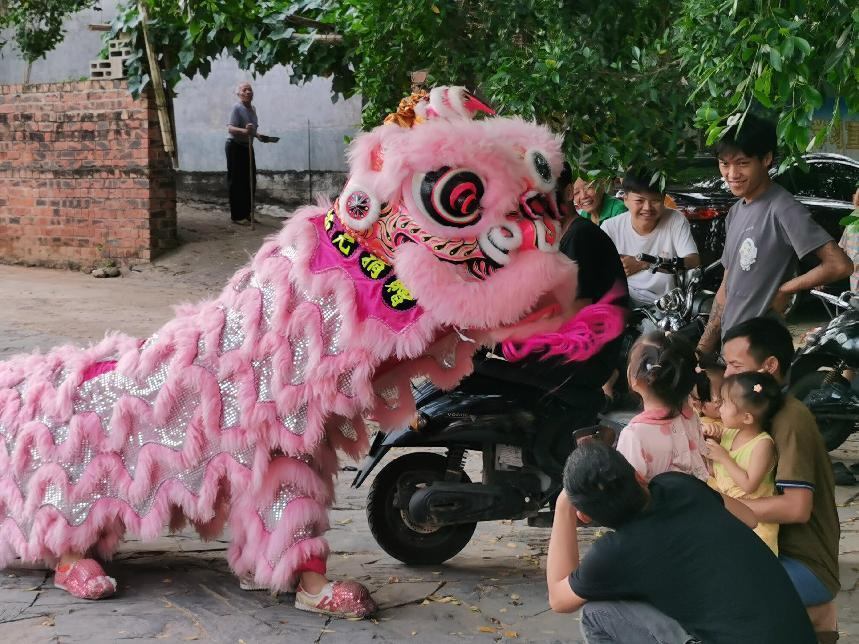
{"x": 337, "y": 599}
{"x": 84, "y": 578}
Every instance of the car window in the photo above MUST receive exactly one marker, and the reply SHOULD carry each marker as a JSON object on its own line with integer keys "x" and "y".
{"x": 824, "y": 180}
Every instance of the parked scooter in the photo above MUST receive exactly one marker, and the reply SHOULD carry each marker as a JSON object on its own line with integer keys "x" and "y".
{"x": 684, "y": 310}
{"x": 422, "y": 507}
{"x": 817, "y": 375}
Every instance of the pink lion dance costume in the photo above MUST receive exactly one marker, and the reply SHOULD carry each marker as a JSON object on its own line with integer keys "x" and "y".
{"x": 443, "y": 239}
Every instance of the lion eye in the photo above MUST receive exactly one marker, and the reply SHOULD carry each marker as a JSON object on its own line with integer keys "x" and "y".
{"x": 450, "y": 197}
{"x": 540, "y": 171}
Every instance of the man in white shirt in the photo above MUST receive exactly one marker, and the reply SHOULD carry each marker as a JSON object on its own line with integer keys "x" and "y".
{"x": 649, "y": 227}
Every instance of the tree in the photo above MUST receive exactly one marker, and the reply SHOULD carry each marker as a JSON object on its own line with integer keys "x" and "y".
{"x": 624, "y": 81}
{"x": 37, "y": 25}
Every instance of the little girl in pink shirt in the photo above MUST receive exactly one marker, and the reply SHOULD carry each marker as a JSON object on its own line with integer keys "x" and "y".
{"x": 666, "y": 436}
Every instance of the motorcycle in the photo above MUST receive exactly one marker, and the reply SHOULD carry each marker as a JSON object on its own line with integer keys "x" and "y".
{"x": 817, "y": 372}
{"x": 422, "y": 507}
{"x": 684, "y": 310}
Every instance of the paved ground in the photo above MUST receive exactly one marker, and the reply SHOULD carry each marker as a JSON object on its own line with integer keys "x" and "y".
{"x": 179, "y": 589}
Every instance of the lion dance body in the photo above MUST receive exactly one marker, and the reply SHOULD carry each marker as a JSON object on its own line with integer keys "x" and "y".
{"x": 444, "y": 238}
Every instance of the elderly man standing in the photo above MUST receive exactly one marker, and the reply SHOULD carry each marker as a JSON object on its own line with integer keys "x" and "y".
{"x": 241, "y": 169}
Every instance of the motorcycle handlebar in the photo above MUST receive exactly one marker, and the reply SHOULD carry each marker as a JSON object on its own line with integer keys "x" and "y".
{"x": 675, "y": 264}
{"x": 842, "y": 300}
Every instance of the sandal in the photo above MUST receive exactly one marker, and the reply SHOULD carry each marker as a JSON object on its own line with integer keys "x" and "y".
{"x": 338, "y": 599}
{"x": 85, "y": 579}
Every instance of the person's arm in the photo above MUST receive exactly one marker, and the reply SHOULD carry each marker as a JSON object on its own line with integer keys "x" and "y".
{"x": 692, "y": 261}
{"x": 792, "y": 506}
{"x": 709, "y": 341}
{"x": 563, "y": 558}
{"x": 760, "y": 463}
{"x": 244, "y": 131}
{"x": 834, "y": 265}
{"x": 741, "y": 511}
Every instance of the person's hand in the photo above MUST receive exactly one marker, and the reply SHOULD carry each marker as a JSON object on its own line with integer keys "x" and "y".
{"x": 250, "y": 129}
{"x": 716, "y": 452}
{"x": 712, "y": 430}
{"x": 631, "y": 266}
{"x": 780, "y": 302}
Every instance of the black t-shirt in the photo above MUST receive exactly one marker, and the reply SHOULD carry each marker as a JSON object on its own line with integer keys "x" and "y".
{"x": 600, "y": 269}
{"x": 691, "y": 559}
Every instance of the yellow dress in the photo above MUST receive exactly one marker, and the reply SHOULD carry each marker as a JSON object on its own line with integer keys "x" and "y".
{"x": 723, "y": 482}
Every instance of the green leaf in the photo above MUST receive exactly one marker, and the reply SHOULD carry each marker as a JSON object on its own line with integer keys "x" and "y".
{"x": 813, "y": 96}
{"x": 803, "y": 45}
{"x": 775, "y": 59}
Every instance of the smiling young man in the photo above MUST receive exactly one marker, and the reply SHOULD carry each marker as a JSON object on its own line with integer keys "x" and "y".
{"x": 766, "y": 231}
{"x": 649, "y": 227}
{"x": 809, "y": 530}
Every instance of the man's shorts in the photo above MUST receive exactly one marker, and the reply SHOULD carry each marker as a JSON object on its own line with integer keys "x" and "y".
{"x": 811, "y": 590}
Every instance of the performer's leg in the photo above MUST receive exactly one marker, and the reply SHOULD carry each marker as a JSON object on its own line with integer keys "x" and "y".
{"x": 277, "y": 538}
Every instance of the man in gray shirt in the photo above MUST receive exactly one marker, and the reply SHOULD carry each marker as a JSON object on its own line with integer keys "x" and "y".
{"x": 766, "y": 230}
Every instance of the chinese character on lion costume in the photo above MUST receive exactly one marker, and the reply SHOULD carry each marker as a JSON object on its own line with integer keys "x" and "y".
{"x": 444, "y": 239}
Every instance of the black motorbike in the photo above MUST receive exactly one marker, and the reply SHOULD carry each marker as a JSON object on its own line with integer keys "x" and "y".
{"x": 817, "y": 375}
{"x": 684, "y": 310}
{"x": 422, "y": 507}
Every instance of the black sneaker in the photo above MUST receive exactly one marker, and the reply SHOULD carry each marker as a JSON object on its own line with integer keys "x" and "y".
{"x": 842, "y": 475}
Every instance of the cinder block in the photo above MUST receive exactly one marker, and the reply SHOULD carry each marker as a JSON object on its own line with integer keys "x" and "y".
{"x": 107, "y": 69}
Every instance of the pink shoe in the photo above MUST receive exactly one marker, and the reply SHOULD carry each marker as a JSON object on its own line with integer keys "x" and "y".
{"x": 338, "y": 599}
{"x": 84, "y": 578}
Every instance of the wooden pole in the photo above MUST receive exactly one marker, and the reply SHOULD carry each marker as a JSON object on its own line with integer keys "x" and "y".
{"x": 157, "y": 86}
{"x": 251, "y": 176}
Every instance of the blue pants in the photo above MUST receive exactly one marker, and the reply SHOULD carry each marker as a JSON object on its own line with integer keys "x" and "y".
{"x": 625, "y": 622}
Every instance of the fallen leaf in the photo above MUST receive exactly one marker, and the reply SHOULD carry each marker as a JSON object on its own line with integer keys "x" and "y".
{"x": 502, "y": 610}
{"x": 393, "y": 580}
{"x": 514, "y": 596}
{"x": 344, "y": 521}
{"x": 190, "y": 638}
{"x": 511, "y": 634}
{"x": 486, "y": 629}
{"x": 327, "y": 630}
{"x": 510, "y": 544}
{"x": 414, "y": 633}
{"x": 48, "y": 621}
{"x": 475, "y": 609}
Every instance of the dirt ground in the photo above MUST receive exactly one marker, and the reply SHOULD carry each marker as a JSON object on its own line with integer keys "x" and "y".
{"x": 139, "y": 301}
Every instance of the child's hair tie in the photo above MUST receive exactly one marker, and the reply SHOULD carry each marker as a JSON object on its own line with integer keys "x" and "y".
{"x": 758, "y": 388}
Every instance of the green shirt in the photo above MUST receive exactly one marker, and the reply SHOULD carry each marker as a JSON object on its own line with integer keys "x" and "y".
{"x": 611, "y": 207}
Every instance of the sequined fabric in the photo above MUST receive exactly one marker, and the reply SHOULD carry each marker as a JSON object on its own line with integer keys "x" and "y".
{"x": 338, "y": 599}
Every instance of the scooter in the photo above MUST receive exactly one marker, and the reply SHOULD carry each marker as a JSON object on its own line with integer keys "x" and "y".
{"x": 423, "y": 508}
{"x": 817, "y": 372}
{"x": 684, "y": 310}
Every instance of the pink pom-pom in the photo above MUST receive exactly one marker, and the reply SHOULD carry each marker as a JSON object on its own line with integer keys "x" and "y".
{"x": 581, "y": 337}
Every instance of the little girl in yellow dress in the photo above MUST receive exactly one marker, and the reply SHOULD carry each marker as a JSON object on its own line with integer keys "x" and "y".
{"x": 744, "y": 457}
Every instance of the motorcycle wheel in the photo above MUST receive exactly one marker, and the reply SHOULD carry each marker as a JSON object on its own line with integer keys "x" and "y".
{"x": 834, "y": 431}
{"x": 391, "y": 526}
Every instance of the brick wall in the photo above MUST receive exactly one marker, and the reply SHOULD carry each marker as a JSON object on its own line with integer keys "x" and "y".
{"x": 83, "y": 175}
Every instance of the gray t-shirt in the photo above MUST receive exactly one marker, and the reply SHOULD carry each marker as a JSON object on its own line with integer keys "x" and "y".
{"x": 240, "y": 117}
{"x": 762, "y": 243}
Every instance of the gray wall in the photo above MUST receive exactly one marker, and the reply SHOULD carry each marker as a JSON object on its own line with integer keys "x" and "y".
{"x": 303, "y": 116}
